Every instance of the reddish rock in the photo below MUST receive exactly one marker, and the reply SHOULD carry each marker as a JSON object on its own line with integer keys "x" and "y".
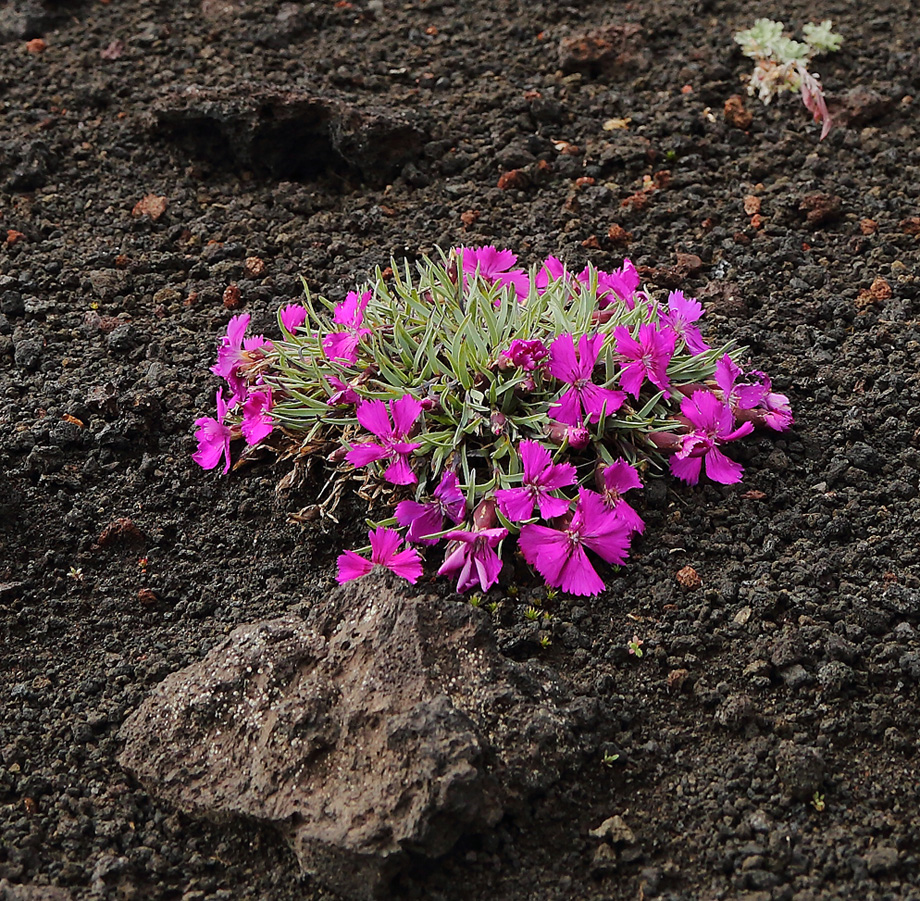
{"x": 608, "y": 50}
{"x": 821, "y": 208}
{"x": 151, "y": 205}
{"x": 514, "y": 179}
{"x": 736, "y": 114}
{"x": 120, "y": 531}
{"x": 233, "y": 299}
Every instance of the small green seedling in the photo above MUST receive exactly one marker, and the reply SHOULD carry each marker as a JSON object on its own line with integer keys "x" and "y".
{"x": 635, "y": 646}
{"x": 610, "y": 759}
{"x": 818, "y": 802}
{"x": 781, "y": 64}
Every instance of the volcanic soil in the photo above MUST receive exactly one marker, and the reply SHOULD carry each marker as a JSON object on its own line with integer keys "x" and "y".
{"x": 166, "y": 164}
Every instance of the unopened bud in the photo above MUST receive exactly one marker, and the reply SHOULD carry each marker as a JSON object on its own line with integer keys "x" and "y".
{"x": 577, "y": 436}
{"x": 666, "y": 441}
{"x": 484, "y": 516}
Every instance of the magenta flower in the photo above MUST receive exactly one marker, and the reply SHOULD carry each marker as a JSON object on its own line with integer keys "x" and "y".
{"x": 526, "y": 354}
{"x": 494, "y": 267}
{"x": 384, "y": 552}
{"x": 551, "y": 270}
{"x": 713, "y": 425}
{"x": 647, "y": 357}
{"x": 428, "y": 518}
{"x": 343, "y": 394}
{"x": 293, "y": 317}
{"x": 372, "y": 414}
{"x": 618, "y": 478}
{"x": 576, "y": 371}
{"x": 235, "y": 351}
{"x": 472, "y": 558}
{"x": 541, "y": 476}
{"x": 680, "y": 317}
{"x": 774, "y": 409}
{"x": 350, "y": 313}
{"x": 745, "y": 396}
{"x": 559, "y": 554}
{"x": 620, "y": 284}
{"x": 213, "y": 437}
{"x": 257, "y": 420}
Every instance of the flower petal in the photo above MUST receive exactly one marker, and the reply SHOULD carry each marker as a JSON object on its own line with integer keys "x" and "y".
{"x": 372, "y": 414}
{"x": 368, "y": 452}
{"x": 720, "y": 469}
{"x": 563, "y": 364}
{"x": 399, "y": 472}
{"x": 687, "y": 469}
{"x": 578, "y": 576}
{"x": 516, "y": 504}
{"x": 352, "y": 566}
{"x": 405, "y": 411}
{"x": 567, "y": 409}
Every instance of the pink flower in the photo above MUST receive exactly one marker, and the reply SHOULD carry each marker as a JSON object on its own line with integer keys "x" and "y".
{"x": 559, "y": 554}
{"x": 753, "y": 401}
{"x": 292, "y": 317}
{"x": 494, "y": 267}
{"x": 712, "y": 423}
{"x": 680, "y": 317}
{"x": 471, "y": 554}
{"x": 618, "y": 478}
{"x": 384, "y": 552}
{"x": 541, "y": 476}
{"x": 257, "y": 421}
{"x": 774, "y": 409}
{"x": 236, "y": 351}
{"x": 472, "y": 558}
{"x": 213, "y": 437}
{"x": 647, "y": 357}
{"x": 428, "y": 518}
{"x": 344, "y": 392}
{"x": 350, "y": 313}
{"x": 372, "y": 414}
{"x": 551, "y": 270}
{"x": 620, "y": 284}
{"x": 745, "y": 396}
{"x": 526, "y": 354}
{"x": 576, "y": 371}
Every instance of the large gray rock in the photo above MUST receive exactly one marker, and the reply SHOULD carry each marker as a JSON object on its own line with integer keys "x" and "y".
{"x": 383, "y": 725}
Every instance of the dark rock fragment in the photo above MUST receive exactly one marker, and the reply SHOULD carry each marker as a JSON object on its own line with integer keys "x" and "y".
{"x": 12, "y": 892}
{"x": 25, "y": 19}
{"x": 382, "y": 725}
{"x": 287, "y": 134}
{"x": 800, "y": 770}
{"x": 858, "y": 107}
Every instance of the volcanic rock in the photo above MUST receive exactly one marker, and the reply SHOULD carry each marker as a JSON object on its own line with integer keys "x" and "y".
{"x": 382, "y": 725}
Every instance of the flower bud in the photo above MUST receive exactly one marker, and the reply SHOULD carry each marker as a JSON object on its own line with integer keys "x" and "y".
{"x": 577, "y": 437}
{"x": 484, "y": 516}
{"x": 666, "y": 441}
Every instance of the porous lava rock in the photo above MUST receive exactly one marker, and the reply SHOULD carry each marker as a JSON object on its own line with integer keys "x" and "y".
{"x": 382, "y": 725}
{"x": 287, "y": 133}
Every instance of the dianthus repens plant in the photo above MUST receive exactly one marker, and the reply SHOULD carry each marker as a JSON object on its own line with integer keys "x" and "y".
{"x": 479, "y": 402}
{"x": 781, "y": 64}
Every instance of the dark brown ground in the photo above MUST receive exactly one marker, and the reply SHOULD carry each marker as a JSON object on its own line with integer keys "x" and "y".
{"x": 798, "y": 660}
